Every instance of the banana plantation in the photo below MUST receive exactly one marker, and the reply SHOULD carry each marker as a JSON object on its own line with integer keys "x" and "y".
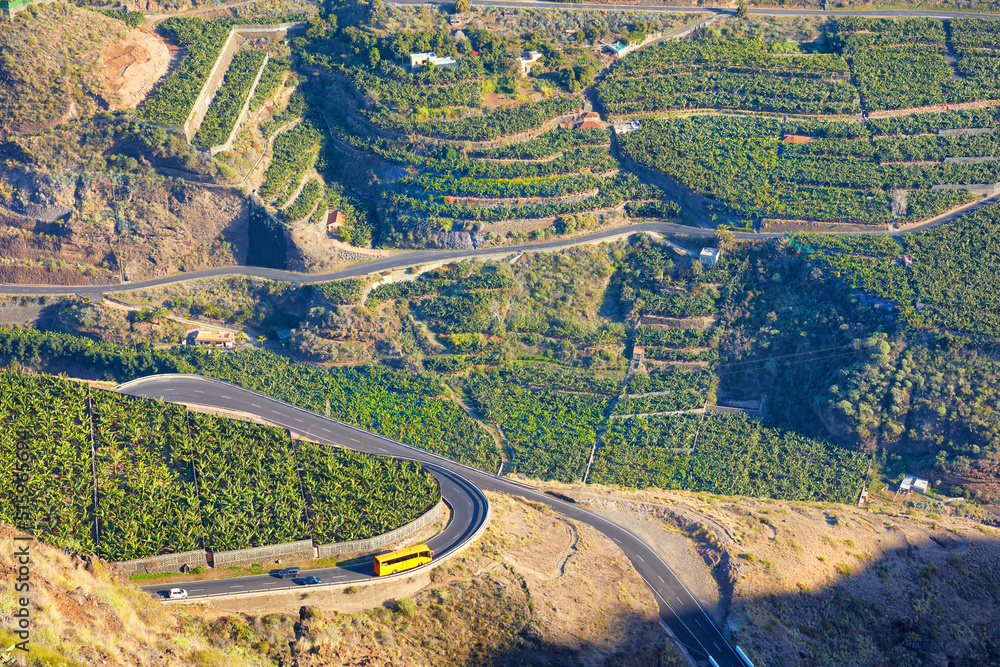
{"x": 128, "y": 478}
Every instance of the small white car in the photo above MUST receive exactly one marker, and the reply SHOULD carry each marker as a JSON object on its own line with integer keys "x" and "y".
{"x": 176, "y": 593}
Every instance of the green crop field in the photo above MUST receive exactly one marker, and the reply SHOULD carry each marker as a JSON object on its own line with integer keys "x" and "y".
{"x": 129, "y": 478}
{"x": 731, "y": 455}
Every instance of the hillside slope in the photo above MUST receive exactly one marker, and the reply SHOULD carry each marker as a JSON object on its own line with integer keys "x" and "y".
{"x": 51, "y": 68}
{"x": 83, "y": 613}
{"x": 536, "y": 589}
{"x": 799, "y": 583}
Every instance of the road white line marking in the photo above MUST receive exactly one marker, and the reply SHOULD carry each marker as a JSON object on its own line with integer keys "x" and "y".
{"x": 255, "y": 405}
{"x": 298, "y": 420}
{"x": 678, "y": 599}
{"x": 198, "y": 391}
{"x": 640, "y": 558}
{"x": 382, "y": 450}
{"x": 196, "y": 589}
{"x": 240, "y": 586}
{"x": 326, "y": 430}
{"x": 661, "y": 579}
{"x": 227, "y": 397}
{"x": 355, "y": 440}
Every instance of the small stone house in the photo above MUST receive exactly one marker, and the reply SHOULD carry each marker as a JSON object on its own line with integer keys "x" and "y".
{"x": 206, "y": 338}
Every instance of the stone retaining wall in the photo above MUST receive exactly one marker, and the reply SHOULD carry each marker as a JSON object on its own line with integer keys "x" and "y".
{"x": 166, "y": 562}
{"x": 288, "y": 551}
{"x": 380, "y": 541}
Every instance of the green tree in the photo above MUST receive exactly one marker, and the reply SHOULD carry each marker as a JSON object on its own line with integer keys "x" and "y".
{"x": 741, "y": 9}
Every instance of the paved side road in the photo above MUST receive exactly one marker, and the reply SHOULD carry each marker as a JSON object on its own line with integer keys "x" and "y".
{"x": 731, "y": 11}
{"x": 680, "y": 612}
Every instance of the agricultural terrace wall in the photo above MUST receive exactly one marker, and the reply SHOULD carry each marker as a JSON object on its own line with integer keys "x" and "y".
{"x": 362, "y": 547}
{"x": 289, "y": 550}
{"x": 237, "y": 37}
{"x": 983, "y": 189}
{"x": 166, "y": 562}
{"x": 214, "y": 150}
{"x": 971, "y": 160}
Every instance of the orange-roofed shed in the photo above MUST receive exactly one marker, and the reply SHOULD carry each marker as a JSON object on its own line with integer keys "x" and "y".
{"x": 796, "y": 139}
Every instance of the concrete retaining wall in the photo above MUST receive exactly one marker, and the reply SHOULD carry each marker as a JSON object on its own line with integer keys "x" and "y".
{"x": 966, "y": 130}
{"x": 166, "y": 562}
{"x": 289, "y": 550}
{"x": 212, "y": 84}
{"x": 380, "y": 541}
{"x": 971, "y": 160}
{"x": 985, "y": 189}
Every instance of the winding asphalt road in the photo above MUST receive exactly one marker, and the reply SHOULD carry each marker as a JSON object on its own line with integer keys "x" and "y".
{"x": 414, "y": 258}
{"x": 680, "y": 612}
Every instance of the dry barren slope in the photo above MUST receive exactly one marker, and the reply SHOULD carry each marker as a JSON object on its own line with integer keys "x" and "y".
{"x": 826, "y": 584}
{"x": 51, "y": 65}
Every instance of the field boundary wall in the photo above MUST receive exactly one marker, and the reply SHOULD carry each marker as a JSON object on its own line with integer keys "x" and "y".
{"x": 380, "y": 541}
{"x": 166, "y": 562}
{"x": 287, "y": 550}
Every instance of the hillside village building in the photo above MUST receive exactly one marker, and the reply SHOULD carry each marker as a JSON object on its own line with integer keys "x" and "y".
{"x": 206, "y": 338}
{"x": 912, "y": 483}
{"x": 418, "y": 60}
{"x": 528, "y": 60}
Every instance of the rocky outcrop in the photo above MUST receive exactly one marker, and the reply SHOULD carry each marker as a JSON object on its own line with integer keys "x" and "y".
{"x": 459, "y": 240}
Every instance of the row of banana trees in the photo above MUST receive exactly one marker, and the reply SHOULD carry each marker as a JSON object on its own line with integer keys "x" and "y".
{"x": 130, "y": 478}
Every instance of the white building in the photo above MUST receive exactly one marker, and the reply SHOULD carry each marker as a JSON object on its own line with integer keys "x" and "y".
{"x": 617, "y": 49}
{"x": 528, "y": 60}
{"x": 710, "y": 256}
{"x": 913, "y": 483}
{"x": 205, "y": 338}
{"x": 418, "y": 60}
{"x": 631, "y": 126}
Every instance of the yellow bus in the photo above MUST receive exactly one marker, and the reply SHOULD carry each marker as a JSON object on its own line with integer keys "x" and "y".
{"x": 402, "y": 559}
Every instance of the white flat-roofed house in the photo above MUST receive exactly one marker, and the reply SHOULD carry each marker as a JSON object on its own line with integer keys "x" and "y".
{"x": 912, "y": 483}
{"x": 418, "y": 60}
{"x": 528, "y": 60}
{"x": 710, "y": 256}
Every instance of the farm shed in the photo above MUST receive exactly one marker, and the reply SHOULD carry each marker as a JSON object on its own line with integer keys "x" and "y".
{"x": 912, "y": 483}
{"x": 710, "y": 256}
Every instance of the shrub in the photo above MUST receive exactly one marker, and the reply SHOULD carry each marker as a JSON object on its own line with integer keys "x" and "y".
{"x": 844, "y": 569}
{"x": 406, "y": 606}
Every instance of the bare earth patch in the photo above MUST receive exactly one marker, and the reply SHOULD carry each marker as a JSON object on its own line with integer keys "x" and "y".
{"x": 133, "y": 66}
